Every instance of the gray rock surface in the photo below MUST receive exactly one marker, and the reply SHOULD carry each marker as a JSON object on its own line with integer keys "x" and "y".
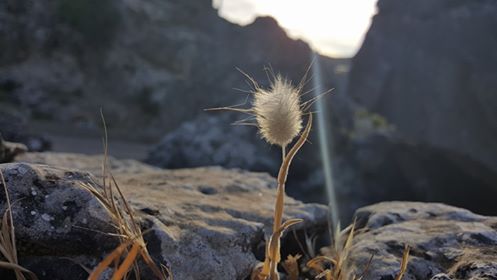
{"x": 205, "y": 223}
{"x": 213, "y": 140}
{"x": 9, "y": 150}
{"x": 446, "y": 242}
{"x": 372, "y": 162}
{"x": 14, "y": 128}
{"x": 429, "y": 68}
{"x": 379, "y": 167}
{"x": 56, "y": 220}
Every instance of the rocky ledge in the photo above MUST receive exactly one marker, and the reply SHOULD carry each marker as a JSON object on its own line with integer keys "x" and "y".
{"x": 204, "y": 223}
{"x": 210, "y": 223}
{"x": 446, "y": 242}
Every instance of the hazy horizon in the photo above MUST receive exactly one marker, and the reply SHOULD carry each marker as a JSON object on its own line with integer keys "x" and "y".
{"x": 334, "y": 28}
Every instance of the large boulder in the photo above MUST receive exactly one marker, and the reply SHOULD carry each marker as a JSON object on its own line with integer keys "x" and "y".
{"x": 446, "y": 242}
{"x": 204, "y": 223}
{"x": 429, "y": 68}
{"x": 58, "y": 223}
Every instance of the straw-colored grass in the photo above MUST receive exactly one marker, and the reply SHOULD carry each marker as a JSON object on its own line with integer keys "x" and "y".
{"x": 124, "y": 259}
{"x": 403, "y": 264}
{"x": 340, "y": 255}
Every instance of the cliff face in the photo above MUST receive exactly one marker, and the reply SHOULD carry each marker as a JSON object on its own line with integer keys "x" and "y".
{"x": 430, "y": 67}
{"x": 427, "y": 71}
{"x": 139, "y": 60}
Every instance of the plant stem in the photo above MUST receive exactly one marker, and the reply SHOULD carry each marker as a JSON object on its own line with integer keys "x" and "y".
{"x": 280, "y": 195}
{"x": 278, "y": 219}
{"x": 274, "y": 248}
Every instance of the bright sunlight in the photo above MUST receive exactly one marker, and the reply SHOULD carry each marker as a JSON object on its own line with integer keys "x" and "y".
{"x": 332, "y": 27}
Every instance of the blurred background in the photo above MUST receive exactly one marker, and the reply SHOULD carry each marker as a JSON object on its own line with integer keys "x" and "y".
{"x": 412, "y": 114}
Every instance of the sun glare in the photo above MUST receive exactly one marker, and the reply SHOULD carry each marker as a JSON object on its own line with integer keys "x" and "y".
{"x": 332, "y": 27}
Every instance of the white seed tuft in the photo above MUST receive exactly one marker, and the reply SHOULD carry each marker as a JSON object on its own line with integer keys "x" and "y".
{"x": 278, "y": 112}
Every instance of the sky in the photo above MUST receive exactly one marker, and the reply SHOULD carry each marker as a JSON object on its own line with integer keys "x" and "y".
{"x": 332, "y": 27}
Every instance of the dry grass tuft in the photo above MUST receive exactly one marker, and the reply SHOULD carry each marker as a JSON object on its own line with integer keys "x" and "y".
{"x": 339, "y": 256}
{"x": 336, "y": 261}
{"x": 124, "y": 258}
{"x": 8, "y": 247}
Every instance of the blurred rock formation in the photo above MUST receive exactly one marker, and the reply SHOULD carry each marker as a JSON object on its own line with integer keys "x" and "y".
{"x": 428, "y": 69}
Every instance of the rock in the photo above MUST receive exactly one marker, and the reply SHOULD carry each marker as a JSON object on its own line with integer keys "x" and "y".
{"x": 62, "y": 60}
{"x": 145, "y": 58}
{"x": 216, "y": 142}
{"x": 429, "y": 68}
{"x": 205, "y": 223}
{"x": 380, "y": 167}
{"x": 446, "y": 242}
{"x": 88, "y": 163}
{"x": 372, "y": 163}
{"x": 56, "y": 221}
{"x": 14, "y": 128}
{"x": 9, "y": 150}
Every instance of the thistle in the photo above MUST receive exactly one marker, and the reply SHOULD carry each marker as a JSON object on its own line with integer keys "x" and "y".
{"x": 278, "y": 112}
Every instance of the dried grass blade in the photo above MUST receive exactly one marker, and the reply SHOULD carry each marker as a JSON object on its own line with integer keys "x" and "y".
{"x": 136, "y": 229}
{"x": 327, "y": 274}
{"x": 155, "y": 269}
{"x": 107, "y": 261}
{"x": 10, "y": 223}
{"x": 366, "y": 269}
{"x": 403, "y": 265}
{"x": 12, "y": 266}
{"x": 288, "y": 224}
{"x": 127, "y": 263}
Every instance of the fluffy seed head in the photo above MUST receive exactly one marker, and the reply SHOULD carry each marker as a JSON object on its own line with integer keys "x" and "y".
{"x": 278, "y": 112}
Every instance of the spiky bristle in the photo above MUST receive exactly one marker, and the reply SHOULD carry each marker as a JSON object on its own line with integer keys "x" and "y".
{"x": 278, "y": 112}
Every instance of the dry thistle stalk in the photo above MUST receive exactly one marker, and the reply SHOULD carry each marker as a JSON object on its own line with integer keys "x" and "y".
{"x": 278, "y": 112}
{"x": 403, "y": 264}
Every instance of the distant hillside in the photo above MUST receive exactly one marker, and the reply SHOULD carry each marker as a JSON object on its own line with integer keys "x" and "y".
{"x": 151, "y": 64}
